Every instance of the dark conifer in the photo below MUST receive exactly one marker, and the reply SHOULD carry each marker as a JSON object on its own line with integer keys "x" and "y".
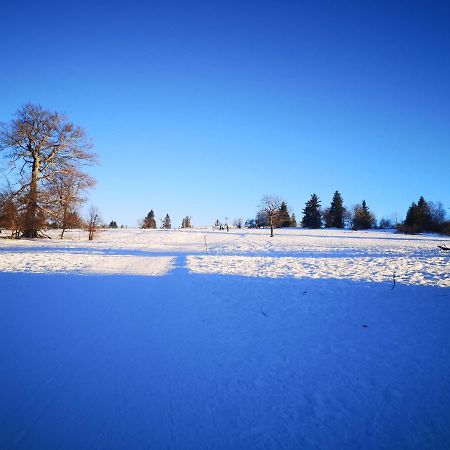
{"x": 418, "y": 218}
{"x": 312, "y": 217}
{"x": 335, "y": 214}
{"x": 166, "y": 223}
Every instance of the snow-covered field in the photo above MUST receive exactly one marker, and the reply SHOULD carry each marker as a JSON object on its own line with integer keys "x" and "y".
{"x": 359, "y": 256}
{"x": 143, "y": 339}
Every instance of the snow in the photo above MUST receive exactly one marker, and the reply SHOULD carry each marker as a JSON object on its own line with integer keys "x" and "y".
{"x": 299, "y": 341}
{"x": 421, "y": 270}
{"x": 85, "y": 263}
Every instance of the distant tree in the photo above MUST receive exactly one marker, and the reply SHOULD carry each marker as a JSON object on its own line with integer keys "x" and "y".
{"x": 335, "y": 214}
{"x": 362, "y": 218}
{"x": 270, "y": 205}
{"x": 149, "y": 221}
{"x": 262, "y": 219}
{"x": 283, "y": 218}
{"x": 438, "y": 216}
{"x": 66, "y": 194}
{"x": 186, "y": 222}
{"x": 423, "y": 216}
{"x": 166, "y": 222}
{"x": 237, "y": 223}
{"x": 113, "y": 224}
{"x": 293, "y": 221}
{"x": 41, "y": 143}
{"x": 418, "y": 218}
{"x": 93, "y": 222}
{"x": 312, "y": 216}
{"x": 385, "y": 224}
{"x": 410, "y": 224}
{"x": 250, "y": 223}
{"x": 10, "y": 217}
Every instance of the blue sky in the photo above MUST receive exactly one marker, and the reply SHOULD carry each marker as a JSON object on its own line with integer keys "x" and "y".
{"x": 201, "y": 108}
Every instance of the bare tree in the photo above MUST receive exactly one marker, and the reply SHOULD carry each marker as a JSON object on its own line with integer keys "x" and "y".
{"x": 10, "y": 217}
{"x": 93, "y": 222}
{"x": 238, "y": 223}
{"x": 67, "y": 189}
{"x": 39, "y": 144}
{"x": 270, "y": 205}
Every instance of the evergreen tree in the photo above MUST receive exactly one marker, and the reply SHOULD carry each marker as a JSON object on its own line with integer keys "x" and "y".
{"x": 418, "y": 218}
{"x": 410, "y": 224}
{"x": 113, "y": 224}
{"x": 362, "y": 219}
{"x": 293, "y": 221}
{"x": 166, "y": 222}
{"x": 335, "y": 214}
{"x": 312, "y": 217}
{"x": 283, "y": 219}
{"x": 424, "y": 215}
{"x": 149, "y": 221}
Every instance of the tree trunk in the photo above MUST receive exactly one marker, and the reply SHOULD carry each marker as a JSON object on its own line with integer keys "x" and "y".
{"x": 31, "y": 220}
{"x": 64, "y": 220}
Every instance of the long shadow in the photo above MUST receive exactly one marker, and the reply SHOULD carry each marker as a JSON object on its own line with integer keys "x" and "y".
{"x": 207, "y": 361}
{"x": 344, "y": 253}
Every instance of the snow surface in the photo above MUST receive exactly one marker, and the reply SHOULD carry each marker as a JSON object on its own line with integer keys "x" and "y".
{"x": 84, "y": 263}
{"x": 299, "y": 341}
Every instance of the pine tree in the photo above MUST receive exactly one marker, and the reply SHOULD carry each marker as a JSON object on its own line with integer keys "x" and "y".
{"x": 166, "y": 222}
{"x": 424, "y": 215}
{"x": 312, "y": 217}
{"x": 418, "y": 218}
{"x": 283, "y": 219}
{"x": 113, "y": 224}
{"x": 293, "y": 221}
{"x": 335, "y": 214}
{"x": 149, "y": 221}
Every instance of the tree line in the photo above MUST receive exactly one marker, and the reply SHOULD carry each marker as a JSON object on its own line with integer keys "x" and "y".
{"x": 149, "y": 222}
{"x": 421, "y": 217}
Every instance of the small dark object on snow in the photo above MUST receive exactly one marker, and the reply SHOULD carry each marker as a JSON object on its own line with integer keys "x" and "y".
{"x": 444, "y": 247}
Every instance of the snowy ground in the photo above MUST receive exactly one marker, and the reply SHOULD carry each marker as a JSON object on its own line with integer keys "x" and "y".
{"x": 300, "y": 341}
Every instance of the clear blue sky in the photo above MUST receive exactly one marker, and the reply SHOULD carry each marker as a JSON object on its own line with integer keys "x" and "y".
{"x": 201, "y": 108}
